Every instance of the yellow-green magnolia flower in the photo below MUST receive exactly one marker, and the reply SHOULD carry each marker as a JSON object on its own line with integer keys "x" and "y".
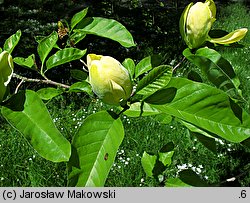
{"x": 6, "y": 71}
{"x": 110, "y": 81}
{"x": 196, "y": 22}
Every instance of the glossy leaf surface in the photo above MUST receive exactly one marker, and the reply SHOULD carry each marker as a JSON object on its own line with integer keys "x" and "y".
{"x": 140, "y": 109}
{"x": 107, "y": 28}
{"x": 206, "y": 107}
{"x": 46, "y": 44}
{"x": 143, "y": 66}
{"x": 12, "y": 41}
{"x": 28, "y": 62}
{"x": 129, "y": 64}
{"x": 78, "y": 17}
{"x": 6, "y": 71}
{"x": 64, "y": 56}
{"x": 217, "y": 70}
{"x": 148, "y": 163}
{"x": 155, "y": 80}
{"x": 48, "y": 93}
{"x": 36, "y": 125}
{"x": 95, "y": 144}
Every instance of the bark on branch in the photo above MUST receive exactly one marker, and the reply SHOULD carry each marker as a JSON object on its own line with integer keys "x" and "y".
{"x": 48, "y": 82}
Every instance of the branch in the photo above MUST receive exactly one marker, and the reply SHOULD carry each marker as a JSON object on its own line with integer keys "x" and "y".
{"x": 18, "y": 86}
{"x": 183, "y": 59}
{"x": 84, "y": 65}
{"x": 48, "y": 82}
{"x": 232, "y": 179}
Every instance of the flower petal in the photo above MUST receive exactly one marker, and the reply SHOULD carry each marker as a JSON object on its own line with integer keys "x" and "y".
{"x": 230, "y": 38}
{"x": 212, "y": 7}
{"x": 183, "y": 19}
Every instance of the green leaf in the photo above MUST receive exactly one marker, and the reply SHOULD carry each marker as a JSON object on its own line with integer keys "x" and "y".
{"x": 175, "y": 182}
{"x": 96, "y": 144}
{"x": 157, "y": 78}
{"x": 206, "y": 107}
{"x": 217, "y": 33}
{"x": 36, "y": 125}
{"x": 78, "y": 17}
{"x": 217, "y": 70}
{"x": 166, "y": 153}
{"x": 246, "y": 142}
{"x": 49, "y": 93}
{"x": 46, "y": 44}
{"x": 230, "y": 38}
{"x": 107, "y": 28}
{"x": 28, "y": 62}
{"x": 166, "y": 157}
{"x": 6, "y": 71}
{"x": 81, "y": 87}
{"x": 129, "y": 64}
{"x": 167, "y": 147}
{"x": 209, "y": 143}
{"x": 12, "y": 41}
{"x": 77, "y": 37}
{"x": 192, "y": 75}
{"x": 237, "y": 110}
{"x": 15, "y": 102}
{"x": 163, "y": 118}
{"x": 56, "y": 47}
{"x": 140, "y": 109}
{"x": 39, "y": 38}
{"x": 159, "y": 169}
{"x": 195, "y": 129}
{"x": 148, "y": 162}
{"x": 78, "y": 74}
{"x": 64, "y": 56}
{"x": 203, "y": 136}
{"x": 143, "y": 66}
{"x": 225, "y": 67}
{"x": 162, "y": 96}
{"x": 191, "y": 178}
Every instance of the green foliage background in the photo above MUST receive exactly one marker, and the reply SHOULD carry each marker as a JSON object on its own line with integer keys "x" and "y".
{"x": 155, "y": 29}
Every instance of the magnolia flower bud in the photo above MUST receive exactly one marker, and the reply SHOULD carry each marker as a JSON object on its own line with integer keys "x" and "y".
{"x": 6, "y": 71}
{"x": 110, "y": 81}
{"x": 196, "y": 22}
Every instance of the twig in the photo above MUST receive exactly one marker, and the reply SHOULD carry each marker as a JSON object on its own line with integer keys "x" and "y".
{"x": 49, "y": 82}
{"x": 232, "y": 179}
{"x": 19, "y": 85}
{"x": 125, "y": 108}
{"x": 183, "y": 59}
{"x": 83, "y": 62}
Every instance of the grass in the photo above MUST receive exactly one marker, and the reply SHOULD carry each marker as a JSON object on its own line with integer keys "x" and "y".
{"x": 20, "y": 165}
